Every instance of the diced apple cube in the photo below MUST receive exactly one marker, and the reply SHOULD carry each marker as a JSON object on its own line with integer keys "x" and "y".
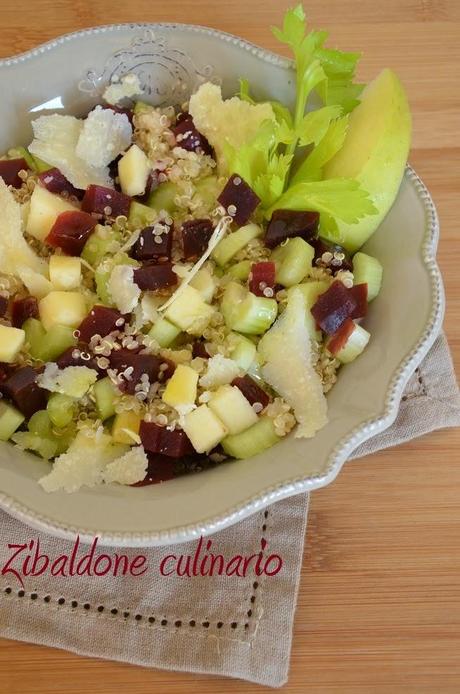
{"x": 11, "y": 341}
{"x": 125, "y": 428}
{"x": 62, "y": 308}
{"x": 37, "y": 284}
{"x": 205, "y": 283}
{"x": 45, "y": 207}
{"x": 204, "y": 429}
{"x": 189, "y": 310}
{"x": 231, "y": 407}
{"x": 181, "y": 387}
{"x": 133, "y": 171}
{"x": 65, "y": 272}
{"x": 10, "y": 420}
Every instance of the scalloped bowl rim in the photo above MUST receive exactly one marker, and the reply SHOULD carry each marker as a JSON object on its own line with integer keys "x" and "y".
{"x": 347, "y": 444}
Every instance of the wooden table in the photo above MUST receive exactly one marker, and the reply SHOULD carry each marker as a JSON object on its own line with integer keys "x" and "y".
{"x": 379, "y": 604}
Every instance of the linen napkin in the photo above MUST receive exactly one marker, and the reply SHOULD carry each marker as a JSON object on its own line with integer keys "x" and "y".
{"x": 238, "y": 626}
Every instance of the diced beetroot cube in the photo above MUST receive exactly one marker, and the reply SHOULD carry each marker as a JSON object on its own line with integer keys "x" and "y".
{"x": 331, "y": 255}
{"x": 22, "y": 389}
{"x": 239, "y": 199}
{"x": 151, "y": 276}
{"x": 251, "y": 391}
{"x": 188, "y": 137}
{"x": 195, "y": 237}
{"x": 105, "y": 201}
{"x": 23, "y": 309}
{"x": 9, "y": 171}
{"x": 160, "y": 469}
{"x": 54, "y": 181}
{"x": 71, "y": 231}
{"x": 73, "y": 357}
{"x": 334, "y": 307}
{"x": 3, "y": 305}
{"x": 5, "y": 372}
{"x": 101, "y": 320}
{"x": 151, "y": 246}
{"x": 359, "y": 293}
{"x": 285, "y": 224}
{"x": 132, "y": 366}
{"x": 262, "y": 278}
{"x": 199, "y": 350}
{"x": 339, "y": 339}
{"x": 158, "y": 439}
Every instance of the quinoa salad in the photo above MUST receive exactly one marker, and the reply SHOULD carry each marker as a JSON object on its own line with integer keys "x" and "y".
{"x": 179, "y": 287}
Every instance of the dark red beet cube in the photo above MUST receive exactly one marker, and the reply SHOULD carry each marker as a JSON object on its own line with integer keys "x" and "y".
{"x": 199, "y": 350}
{"x": 340, "y": 338}
{"x": 3, "y": 305}
{"x": 359, "y": 293}
{"x": 132, "y": 366}
{"x": 151, "y": 246}
{"x": 73, "y": 357}
{"x": 239, "y": 199}
{"x": 251, "y": 391}
{"x": 22, "y": 389}
{"x": 5, "y": 372}
{"x": 160, "y": 469}
{"x": 188, "y": 137}
{"x": 285, "y": 224}
{"x": 195, "y": 237}
{"x": 334, "y": 307}
{"x": 151, "y": 276}
{"x": 54, "y": 181}
{"x": 105, "y": 201}
{"x": 71, "y": 231}
{"x": 158, "y": 439}
{"x": 262, "y": 277}
{"x": 23, "y": 309}
{"x": 331, "y": 255}
{"x": 9, "y": 171}
{"x": 101, "y": 320}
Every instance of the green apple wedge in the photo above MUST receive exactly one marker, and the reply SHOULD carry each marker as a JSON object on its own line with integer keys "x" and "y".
{"x": 374, "y": 152}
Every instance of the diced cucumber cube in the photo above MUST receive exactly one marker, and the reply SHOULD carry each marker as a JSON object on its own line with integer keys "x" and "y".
{"x": 240, "y": 271}
{"x": 61, "y": 409}
{"x": 55, "y": 342}
{"x": 162, "y": 198}
{"x": 368, "y": 270}
{"x": 141, "y": 216}
{"x": 45, "y": 447}
{"x": 293, "y": 260}
{"x": 205, "y": 283}
{"x": 242, "y": 350}
{"x": 105, "y": 392}
{"x": 99, "y": 245}
{"x": 10, "y": 420}
{"x": 254, "y": 440}
{"x": 164, "y": 332}
{"x": 254, "y": 315}
{"x": 235, "y": 242}
{"x": 40, "y": 423}
{"x": 354, "y": 346}
{"x": 35, "y": 333}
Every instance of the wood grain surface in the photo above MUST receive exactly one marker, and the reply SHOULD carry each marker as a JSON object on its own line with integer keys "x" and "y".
{"x": 379, "y": 604}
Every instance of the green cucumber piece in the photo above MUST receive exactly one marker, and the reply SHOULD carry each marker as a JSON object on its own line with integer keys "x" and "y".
{"x": 55, "y": 342}
{"x": 240, "y": 271}
{"x": 207, "y": 189}
{"x": 141, "y": 216}
{"x": 254, "y": 440}
{"x": 164, "y": 332}
{"x": 61, "y": 409}
{"x": 242, "y": 350}
{"x": 293, "y": 260}
{"x": 45, "y": 447}
{"x": 368, "y": 270}
{"x": 254, "y": 315}
{"x": 35, "y": 333}
{"x": 235, "y": 242}
{"x": 162, "y": 198}
{"x": 103, "y": 272}
{"x": 10, "y": 420}
{"x": 98, "y": 246}
{"x": 104, "y": 393}
{"x": 233, "y": 295}
{"x": 354, "y": 346}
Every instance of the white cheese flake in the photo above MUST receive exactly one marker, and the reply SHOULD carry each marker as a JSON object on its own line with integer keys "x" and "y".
{"x": 126, "y": 88}
{"x": 122, "y": 288}
{"x": 74, "y": 381}
{"x": 105, "y": 135}
{"x": 220, "y": 371}
{"x": 129, "y": 468}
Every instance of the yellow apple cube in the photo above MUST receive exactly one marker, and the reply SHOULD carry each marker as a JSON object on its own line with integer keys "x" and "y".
{"x": 181, "y": 387}
{"x": 45, "y": 207}
{"x": 204, "y": 429}
{"x": 62, "y": 308}
{"x": 189, "y": 310}
{"x": 11, "y": 342}
{"x": 125, "y": 428}
{"x": 205, "y": 283}
{"x": 133, "y": 171}
{"x": 65, "y": 272}
{"x": 231, "y": 407}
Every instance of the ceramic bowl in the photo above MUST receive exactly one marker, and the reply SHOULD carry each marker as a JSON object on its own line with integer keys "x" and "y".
{"x": 70, "y": 74}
